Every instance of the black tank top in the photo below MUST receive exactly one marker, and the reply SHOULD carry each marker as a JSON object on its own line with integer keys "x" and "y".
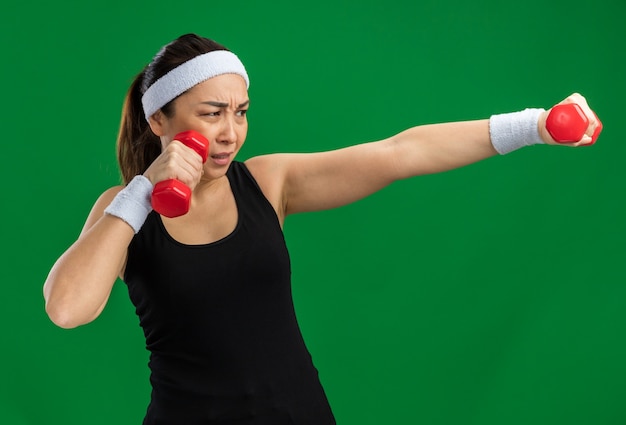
{"x": 219, "y": 321}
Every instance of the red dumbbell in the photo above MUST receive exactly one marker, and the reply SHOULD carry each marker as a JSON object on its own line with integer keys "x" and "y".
{"x": 172, "y": 197}
{"x": 567, "y": 123}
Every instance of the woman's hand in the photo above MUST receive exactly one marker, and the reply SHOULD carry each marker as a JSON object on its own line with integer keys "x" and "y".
{"x": 177, "y": 161}
{"x": 591, "y": 132}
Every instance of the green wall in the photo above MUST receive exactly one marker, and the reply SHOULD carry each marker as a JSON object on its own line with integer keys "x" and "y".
{"x": 492, "y": 294}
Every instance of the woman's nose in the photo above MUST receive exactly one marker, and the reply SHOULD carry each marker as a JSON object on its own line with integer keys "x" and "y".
{"x": 227, "y": 133}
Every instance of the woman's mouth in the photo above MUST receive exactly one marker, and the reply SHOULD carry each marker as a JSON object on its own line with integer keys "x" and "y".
{"x": 221, "y": 158}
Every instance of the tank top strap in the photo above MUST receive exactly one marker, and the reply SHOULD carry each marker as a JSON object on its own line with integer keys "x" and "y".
{"x": 251, "y": 201}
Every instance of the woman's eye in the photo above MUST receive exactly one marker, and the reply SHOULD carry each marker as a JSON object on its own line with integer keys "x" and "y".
{"x": 210, "y": 114}
{"x": 242, "y": 113}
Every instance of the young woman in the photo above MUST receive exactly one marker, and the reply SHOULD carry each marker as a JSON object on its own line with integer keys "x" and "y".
{"x": 212, "y": 287}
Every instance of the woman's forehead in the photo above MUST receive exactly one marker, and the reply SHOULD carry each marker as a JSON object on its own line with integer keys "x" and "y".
{"x": 223, "y": 84}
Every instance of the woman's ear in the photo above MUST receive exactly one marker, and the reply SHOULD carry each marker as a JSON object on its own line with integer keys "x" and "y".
{"x": 156, "y": 123}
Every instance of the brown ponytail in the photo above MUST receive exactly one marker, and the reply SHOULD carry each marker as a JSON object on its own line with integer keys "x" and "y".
{"x": 137, "y": 146}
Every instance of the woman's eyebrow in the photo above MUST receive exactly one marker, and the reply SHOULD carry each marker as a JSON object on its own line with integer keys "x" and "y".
{"x": 223, "y": 104}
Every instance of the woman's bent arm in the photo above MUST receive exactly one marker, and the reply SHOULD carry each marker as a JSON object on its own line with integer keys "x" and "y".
{"x": 80, "y": 282}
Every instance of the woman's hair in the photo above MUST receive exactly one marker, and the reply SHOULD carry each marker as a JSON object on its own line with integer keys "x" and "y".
{"x": 137, "y": 146}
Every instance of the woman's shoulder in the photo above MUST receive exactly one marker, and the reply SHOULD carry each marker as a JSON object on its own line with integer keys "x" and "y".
{"x": 103, "y": 201}
{"x": 106, "y": 197}
{"x": 269, "y": 164}
{"x": 267, "y": 170}
{"x": 111, "y": 192}
{"x": 270, "y": 176}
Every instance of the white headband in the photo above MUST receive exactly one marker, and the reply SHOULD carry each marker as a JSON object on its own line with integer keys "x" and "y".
{"x": 187, "y": 75}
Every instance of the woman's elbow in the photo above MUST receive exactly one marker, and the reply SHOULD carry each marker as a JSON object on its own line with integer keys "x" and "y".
{"x": 63, "y": 313}
{"x": 62, "y": 317}
{"x": 63, "y": 321}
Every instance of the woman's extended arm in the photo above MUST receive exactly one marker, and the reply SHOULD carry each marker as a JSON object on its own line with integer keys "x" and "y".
{"x": 326, "y": 180}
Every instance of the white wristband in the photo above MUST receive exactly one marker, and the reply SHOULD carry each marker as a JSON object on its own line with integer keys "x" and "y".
{"x": 515, "y": 130}
{"x": 133, "y": 203}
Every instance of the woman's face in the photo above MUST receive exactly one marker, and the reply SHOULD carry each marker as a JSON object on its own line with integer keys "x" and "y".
{"x": 217, "y": 109}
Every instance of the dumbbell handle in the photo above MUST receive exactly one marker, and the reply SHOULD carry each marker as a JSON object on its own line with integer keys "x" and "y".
{"x": 171, "y": 197}
{"x": 567, "y": 123}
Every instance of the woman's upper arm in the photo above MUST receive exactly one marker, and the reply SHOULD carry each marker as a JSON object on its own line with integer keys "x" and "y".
{"x": 317, "y": 181}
